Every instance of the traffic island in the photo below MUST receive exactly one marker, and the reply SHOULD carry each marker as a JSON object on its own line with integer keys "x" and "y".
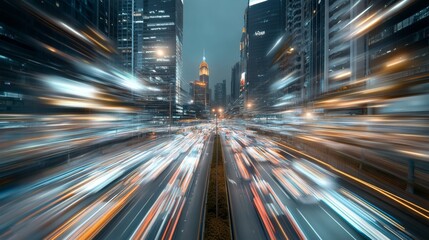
{"x": 217, "y": 224}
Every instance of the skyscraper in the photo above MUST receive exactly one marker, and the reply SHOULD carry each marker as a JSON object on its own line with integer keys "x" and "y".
{"x": 265, "y": 26}
{"x": 162, "y": 50}
{"x": 102, "y": 16}
{"x": 93, "y": 13}
{"x": 130, "y": 35}
{"x": 317, "y": 51}
{"x": 83, "y": 12}
{"x": 320, "y": 55}
{"x": 220, "y": 94}
{"x": 398, "y": 55}
{"x": 204, "y": 71}
{"x": 296, "y": 60}
{"x": 55, "y": 19}
{"x": 344, "y": 60}
{"x": 235, "y": 82}
{"x": 204, "y": 74}
{"x": 238, "y": 105}
{"x": 199, "y": 93}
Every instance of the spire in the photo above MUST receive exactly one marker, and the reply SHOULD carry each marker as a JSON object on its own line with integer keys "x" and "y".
{"x": 204, "y": 67}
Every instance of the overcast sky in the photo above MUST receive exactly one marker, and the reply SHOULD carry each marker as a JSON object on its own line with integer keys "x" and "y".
{"x": 213, "y": 25}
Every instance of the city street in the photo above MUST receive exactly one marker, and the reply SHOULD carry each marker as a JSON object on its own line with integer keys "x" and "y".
{"x": 311, "y": 215}
{"x": 116, "y": 191}
{"x": 214, "y": 119}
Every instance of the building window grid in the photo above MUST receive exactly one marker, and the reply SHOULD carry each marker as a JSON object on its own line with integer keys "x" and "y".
{"x": 399, "y": 26}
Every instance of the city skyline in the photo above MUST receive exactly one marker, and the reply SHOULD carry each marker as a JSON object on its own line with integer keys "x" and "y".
{"x": 216, "y": 32}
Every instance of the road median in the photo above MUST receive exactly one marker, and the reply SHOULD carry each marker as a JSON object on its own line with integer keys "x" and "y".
{"x": 217, "y": 225}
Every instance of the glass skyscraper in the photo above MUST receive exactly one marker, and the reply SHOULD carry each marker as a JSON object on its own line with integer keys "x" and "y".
{"x": 162, "y": 51}
{"x": 265, "y": 26}
{"x": 130, "y": 35}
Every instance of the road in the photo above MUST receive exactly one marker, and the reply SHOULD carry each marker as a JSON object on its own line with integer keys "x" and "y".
{"x": 152, "y": 189}
{"x": 244, "y": 218}
{"x": 278, "y": 193}
{"x": 191, "y": 223}
{"x": 128, "y": 190}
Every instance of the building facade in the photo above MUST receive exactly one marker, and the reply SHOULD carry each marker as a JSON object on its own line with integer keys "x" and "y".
{"x": 199, "y": 93}
{"x": 162, "y": 52}
{"x": 220, "y": 95}
{"x": 129, "y": 37}
{"x": 204, "y": 75}
{"x": 397, "y": 56}
{"x": 31, "y": 47}
{"x": 235, "y": 82}
{"x": 265, "y": 25}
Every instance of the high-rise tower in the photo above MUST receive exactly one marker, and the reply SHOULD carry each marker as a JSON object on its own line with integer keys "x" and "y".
{"x": 162, "y": 51}
{"x": 129, "y": 34}
{"x": 204, "y": 77}
{"x": 264, "y": 26}
{"x": 204, "y": 71}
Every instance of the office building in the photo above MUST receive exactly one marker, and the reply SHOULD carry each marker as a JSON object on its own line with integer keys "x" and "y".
{"x": 92, "y": 13}
{"x": 317, "y": 50}
{"x": 398, "y": 55}
{"x": 238, "y": 105}
{"x": 220, "y": 95}
{"x": 265, "y": 25}
{"x": 204, "y": 75}
{"x": 204, "y": 71}
{"x": 235, "y": 81}
{"x": 162, "y": 51}
{"x": 130, "y": 35}
{"x": 199, "y": 93}
{"x": 344, "y": 62}
{"x": 320, "y": 55}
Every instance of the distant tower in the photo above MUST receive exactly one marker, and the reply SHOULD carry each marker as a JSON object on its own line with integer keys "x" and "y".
{"x": 204, "y": 77}
{"x": 204, "y": 70}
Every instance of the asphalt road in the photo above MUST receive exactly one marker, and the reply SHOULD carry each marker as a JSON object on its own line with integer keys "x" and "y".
{"x": 107, "y": 193}
{"x": 39, "y": 193}
{"x": 189, "y": 226}
{"x": 316, "y": 220}
{"x": 244, "y": 218}
{"x": 191, "y": 222}
{"x": 125, "y": 223}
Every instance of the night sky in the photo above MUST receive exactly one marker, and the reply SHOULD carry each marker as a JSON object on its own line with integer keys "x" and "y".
{"x": 213, "y": 25}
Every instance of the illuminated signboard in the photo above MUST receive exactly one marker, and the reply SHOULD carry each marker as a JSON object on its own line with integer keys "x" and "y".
{"x": 259, "y": 33}
{"x": 242, "y": 81}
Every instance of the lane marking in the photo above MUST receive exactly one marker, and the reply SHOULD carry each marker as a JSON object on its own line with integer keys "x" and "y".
{"x": 337, "y": 222}
{"x": 305, "y": 219}
{"x": 232, "y": 181}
